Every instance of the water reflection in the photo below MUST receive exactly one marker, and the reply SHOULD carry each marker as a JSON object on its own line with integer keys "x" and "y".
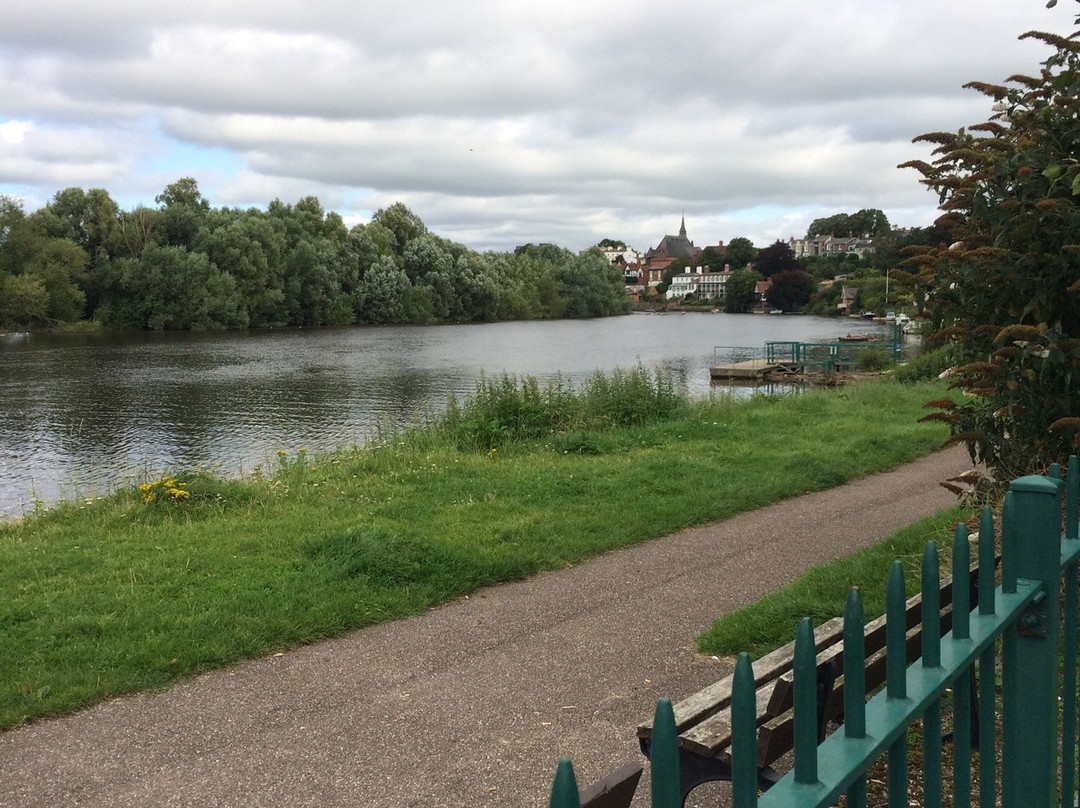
{"x": 82, "y": 413}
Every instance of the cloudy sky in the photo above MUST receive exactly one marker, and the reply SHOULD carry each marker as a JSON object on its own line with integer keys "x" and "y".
{"x": 501, "y": 122}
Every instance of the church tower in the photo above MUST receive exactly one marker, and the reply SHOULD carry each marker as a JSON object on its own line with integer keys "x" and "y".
{"x": 682, "y": 227}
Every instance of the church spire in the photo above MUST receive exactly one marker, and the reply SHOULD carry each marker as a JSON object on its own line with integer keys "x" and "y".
{"x": 682, "y": 227}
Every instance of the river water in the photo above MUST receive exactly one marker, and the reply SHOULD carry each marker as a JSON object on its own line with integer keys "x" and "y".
{"x": 82, "y": 414}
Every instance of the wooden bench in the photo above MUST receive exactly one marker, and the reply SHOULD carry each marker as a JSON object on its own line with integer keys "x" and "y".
{"x": 703, "y": 721}
{"x": 614, "y": 791}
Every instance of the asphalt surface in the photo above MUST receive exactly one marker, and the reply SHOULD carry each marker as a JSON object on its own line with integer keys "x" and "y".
{"x": 473, "y": 703}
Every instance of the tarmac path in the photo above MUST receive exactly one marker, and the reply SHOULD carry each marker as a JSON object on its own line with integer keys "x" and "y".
{"x": 473, "y": 703}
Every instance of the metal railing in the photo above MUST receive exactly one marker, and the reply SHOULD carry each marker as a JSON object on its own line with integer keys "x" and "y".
{"x": 737, "y": 353}
{"x": 1025, "y": 630}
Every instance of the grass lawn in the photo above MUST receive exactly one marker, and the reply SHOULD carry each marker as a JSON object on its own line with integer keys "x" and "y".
{"x": 125, "y": 594}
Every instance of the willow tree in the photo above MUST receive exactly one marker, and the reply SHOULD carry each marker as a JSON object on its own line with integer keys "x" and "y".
{"x": 1007, "y": 289}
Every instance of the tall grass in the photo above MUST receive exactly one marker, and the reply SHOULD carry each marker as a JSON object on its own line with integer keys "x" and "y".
{"x": 126, "y": 594}
{"x": 508, "y": 409}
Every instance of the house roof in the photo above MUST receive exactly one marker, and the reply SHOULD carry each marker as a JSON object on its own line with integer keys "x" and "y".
{"x": 676, "y": 246}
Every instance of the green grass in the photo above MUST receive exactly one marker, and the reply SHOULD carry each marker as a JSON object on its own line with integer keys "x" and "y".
{"x": 822, "y": 591}
{"x": 121, "y": 595}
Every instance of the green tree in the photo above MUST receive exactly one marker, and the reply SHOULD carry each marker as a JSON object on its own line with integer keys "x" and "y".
{"x": 172, "y": 288}
{"x": 61, "y": 265}
{"x": 20, "y": 237}
{"x": 135, "y": 230}
{"x": 740, "y": 252}
{"x": 11, "y": 213}
{"x": 740, "y": 291}
{"x": 777, "y": 257}
{"x": 85, "y": 217}
{"x": 790, "y": 290}
{"x": 402, "y": 223}
{"x": 592, "y": 287}
{"x": 23, "y": 299}
{"x": 867, "y": 222}
{"x": 383, "y": 293}
{"x": 184, "y": 211}
{"x": 314, "y": 293}
{"x": 1008, "y": 289}
{"x": 611, "y": 244}
{"x": 713, "y": 259}
{"x": 251, "y": 249}
{"x": 872, "y": 295}
{"x": 478, "y": 287}
{"x": 825, "y": 300}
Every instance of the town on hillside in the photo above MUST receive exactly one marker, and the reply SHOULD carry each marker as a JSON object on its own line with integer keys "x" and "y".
{"x": 833, "y": 271}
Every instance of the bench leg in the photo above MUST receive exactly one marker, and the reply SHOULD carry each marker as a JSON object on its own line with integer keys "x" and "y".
{"x": 614, "y": 791}
{"x": 696, "y": 770}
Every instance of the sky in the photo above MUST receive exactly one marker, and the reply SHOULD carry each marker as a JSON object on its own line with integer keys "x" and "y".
{"x": 501, "y": 122}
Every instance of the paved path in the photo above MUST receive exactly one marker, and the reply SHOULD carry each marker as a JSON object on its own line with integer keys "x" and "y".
{"x": 471, "y": 704}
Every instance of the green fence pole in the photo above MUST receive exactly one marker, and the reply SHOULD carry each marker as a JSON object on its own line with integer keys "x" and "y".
{"x": 1011, "y": 715}
{"x": 1030, "y": 670}
{"x": 805, "y": 704}
{"x": 1068, "y": 721}
{"x": 931, "y": 658}
{"x": 896, "y": 677}
{"x": 961, "y": 629}
{"x": 564, "y": 792}
{"x": 666, "y": 792}
{"x": 855, "y": 685}
{"x": 987, "y": 667}
{"x": 743, "y": 735}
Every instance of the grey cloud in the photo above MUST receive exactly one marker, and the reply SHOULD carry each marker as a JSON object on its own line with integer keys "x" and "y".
{"x": 502, "y": 121}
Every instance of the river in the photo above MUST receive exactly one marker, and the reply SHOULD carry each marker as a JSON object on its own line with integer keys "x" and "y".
{"x": 83, "y": 413}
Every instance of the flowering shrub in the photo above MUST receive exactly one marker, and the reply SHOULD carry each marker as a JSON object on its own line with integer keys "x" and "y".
{"x": 165, "y": 489}
{"x": 1006, "y": 292}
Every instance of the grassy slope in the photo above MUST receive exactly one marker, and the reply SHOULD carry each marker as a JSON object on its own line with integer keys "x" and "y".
{"x": 822, "y": 591}
{"x": 119, "y": 595}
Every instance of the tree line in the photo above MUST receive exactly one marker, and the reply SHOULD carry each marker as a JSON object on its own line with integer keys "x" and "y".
{"x": 188, "y": 265}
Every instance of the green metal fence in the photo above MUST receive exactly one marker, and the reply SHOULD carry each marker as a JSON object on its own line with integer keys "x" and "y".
{"x": 1026, "y": 631}
{"x": 827, "y": 356}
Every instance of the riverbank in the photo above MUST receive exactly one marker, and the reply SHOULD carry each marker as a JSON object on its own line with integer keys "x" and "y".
{"x": 472, "y": 703}
{"x": 191, "y": 572}
{"x": 83, "y": 414}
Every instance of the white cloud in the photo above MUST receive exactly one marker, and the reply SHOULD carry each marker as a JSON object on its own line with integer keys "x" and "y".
{"x": 501, "y": 121}
{"x": 13, "y": 133}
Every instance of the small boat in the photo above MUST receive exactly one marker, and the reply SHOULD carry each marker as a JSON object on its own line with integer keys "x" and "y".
{"x": 856, "y": 338}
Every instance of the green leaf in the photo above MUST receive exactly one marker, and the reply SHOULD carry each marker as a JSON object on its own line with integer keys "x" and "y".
{"x": 1052, "y": 172}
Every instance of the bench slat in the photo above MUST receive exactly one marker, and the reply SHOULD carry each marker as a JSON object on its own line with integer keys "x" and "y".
{"x": 714, "y": 733}
{"x": 777, "y": 734}
{"x": 873, "y": 639}
{"x": 717, "y": 696}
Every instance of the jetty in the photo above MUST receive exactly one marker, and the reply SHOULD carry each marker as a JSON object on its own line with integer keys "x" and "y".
{"x": 750, "y": 370}
{"x": 790, "y": 360}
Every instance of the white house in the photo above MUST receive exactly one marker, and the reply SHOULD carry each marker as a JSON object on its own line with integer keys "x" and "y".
{"x": 704, "y": 285}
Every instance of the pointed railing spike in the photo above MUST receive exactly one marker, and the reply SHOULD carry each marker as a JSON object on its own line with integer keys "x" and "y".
{"x": 666, "y": 791}
{"x": 564, "y": 792}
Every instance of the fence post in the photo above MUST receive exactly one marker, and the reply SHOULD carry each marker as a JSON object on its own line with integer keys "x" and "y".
{"x": 665, "y": 780}
{"x": 1030, "y": 662}
{"x": 564, "y": 791}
